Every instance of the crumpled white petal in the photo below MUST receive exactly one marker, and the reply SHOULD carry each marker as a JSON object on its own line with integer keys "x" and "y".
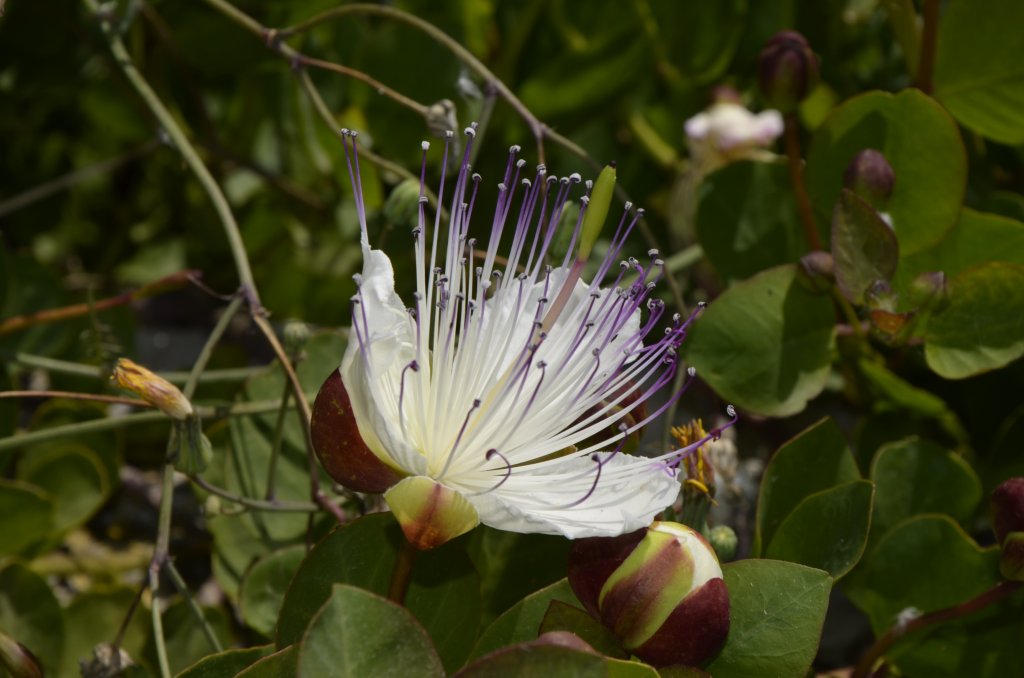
{"x": 631, "y": 492}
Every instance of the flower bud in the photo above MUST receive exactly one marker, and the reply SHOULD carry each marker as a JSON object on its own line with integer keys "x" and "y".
{"x": 928, "y": 290}
{"x": 17, "y": 660}
{"x": 869, "y": 175}
{"x": 340, "y": 447}
{"x": 296, "y": 334}
{"x": 430, "y": 513}
{"x": 787, "y": 70}
{"x": 820, "y": 268}
{"x": 1011, "y": 563}
{"x": 1007, "y": 505}
{"x": 724, "y": 540}
{"x": 152, "y": 388}
{"x": 403, "y": 204}
{"x": 441, "y": 117}
{"x": 660, "y": 590}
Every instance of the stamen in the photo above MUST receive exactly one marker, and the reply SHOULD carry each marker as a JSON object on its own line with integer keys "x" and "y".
{"x": 458, "y": 439}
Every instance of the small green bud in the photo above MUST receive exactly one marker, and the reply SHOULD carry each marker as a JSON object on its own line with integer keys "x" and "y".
{"x": 788, "y": 70}
{"x": 724, "y": 540}
{"x": 660, "y": 590}
{"x": 403, "y": 204}
{"x": 296, "y": 334}
{"x": 869, "y": 175}
{"x": 928, "y": 290}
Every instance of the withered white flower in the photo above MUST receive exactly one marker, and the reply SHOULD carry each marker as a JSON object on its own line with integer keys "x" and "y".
{"x": 505, "y": 391}
{"x": 727, "y": 131}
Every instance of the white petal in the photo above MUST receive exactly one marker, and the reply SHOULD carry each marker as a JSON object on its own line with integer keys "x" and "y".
{"x": 388, "y": 347}
{"x": 631, "y": 492}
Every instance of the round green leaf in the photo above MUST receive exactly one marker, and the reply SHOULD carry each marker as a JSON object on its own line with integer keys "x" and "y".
{"x": 26, "y": 516}
{"x": 357, "y": 634}
{"x": 827, "y": 530}
{"x": 921, "y": 143}
{"x": 816, "y": 459}
{"x": 91, "y": 618}
{"x": 927, "y": 562}
{"x": 564, "y": 617}
{"x": 982, "y": 327}
{"x": 264, "y": 587}
{"x": 765, "y": 344}
{"x": 31, "y": 615}
{"x": 864, "y": 247}
{"x": 444, "y": 594}
{"x": 979, "y": 75}
{"x": 521, "y": 622}
{"x": 747, "y": 219}
{"x": 534, "y": 659}
{"x": 281, "y": 664}
{"x": 74, "y": 477}
{"x": 776, "y": 612}
{"x": 227, "y": 663}
{"x": 977, "y": 238}
{"x": 915, "y": 476}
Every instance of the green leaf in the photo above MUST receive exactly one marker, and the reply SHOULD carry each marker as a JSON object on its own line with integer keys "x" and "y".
{"x": 889, "y": 386}
{"x": 915, "y": 476}
{"x": 264, "y": 585}
{"x": 747, "y": 219}
{"x": 776, "y": 613}
{"x": 513, "y": 565}
{"x": 281, "y": 664}
{"x": 26, "y": 515}
{"x": 357, "y": 634}
{"x": 521, "y": 622}
{"x": 926, "y": 562}
{"x": 227, "y": 663}
{"x": 921, "y": 143}
{"x": 817, "y": 459}
{"x": 765, "y": 344}
{"x": 444, "y": 594}
{"x": 529, "y": 660}
{"x": 30, "y": 614}
{"x": 864, "y": 247}
{"x": 93, "y": 618}
{"x": 977, "y": 238}
{"x": 74, "y": 477}
{"x": 828, "y": 530}
{"x": 979, "y": 75}
{"x": 982, "y": 327}
{"x": 564, "y": 617}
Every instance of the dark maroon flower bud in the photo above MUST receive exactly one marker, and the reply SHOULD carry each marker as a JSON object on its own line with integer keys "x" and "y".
{"x": 869, "y": 175}
{"x": 660, "y": 590}
{"x": 1011, "y": 563}
{"x": 338, "y": 445}
{"x": 1008, "y": 508}
{"x": 787, "y": 70}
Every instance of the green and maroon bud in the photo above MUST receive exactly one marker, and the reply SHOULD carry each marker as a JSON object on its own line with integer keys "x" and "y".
{"x": 820, "y": 269}
{"x": 1011, "y": 562}
{"x": 659, "y": 590}
{"x": 788, "y": 70}
{"x": 1007, "y": 504}
{"x": 340, "y": 447}
{"x": 16, "y": 660}
{"x": 869, "y": 175}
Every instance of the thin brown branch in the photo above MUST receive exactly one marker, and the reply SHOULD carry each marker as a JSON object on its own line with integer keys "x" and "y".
{"x": 929, "y": 43}
{"x": 71, "y": 395}
{"x": 796, "y": 175}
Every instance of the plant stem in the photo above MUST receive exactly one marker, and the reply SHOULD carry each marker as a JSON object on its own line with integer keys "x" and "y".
{"x": 275, "y": 449}
{"x": 272, "y": 505}
{"x": 401, "y": 575}
{"x": 70, "y": 395}
{"x": 197, "y": 612}
{"x": 796, "y": 175}
{"x": 998, "y": 592}
{"x": 112, "y": 423}
{"x": 184, "y": 147}
{"x": 211, "y": 342}
{"x": 929, "y": 41}
{"x": 94, "y": 372}
{"x": 379, "y": 87}
{"x": 20, "y": 322}
{"x": 70, "y": 179}
{"x": 160, "y": 555}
